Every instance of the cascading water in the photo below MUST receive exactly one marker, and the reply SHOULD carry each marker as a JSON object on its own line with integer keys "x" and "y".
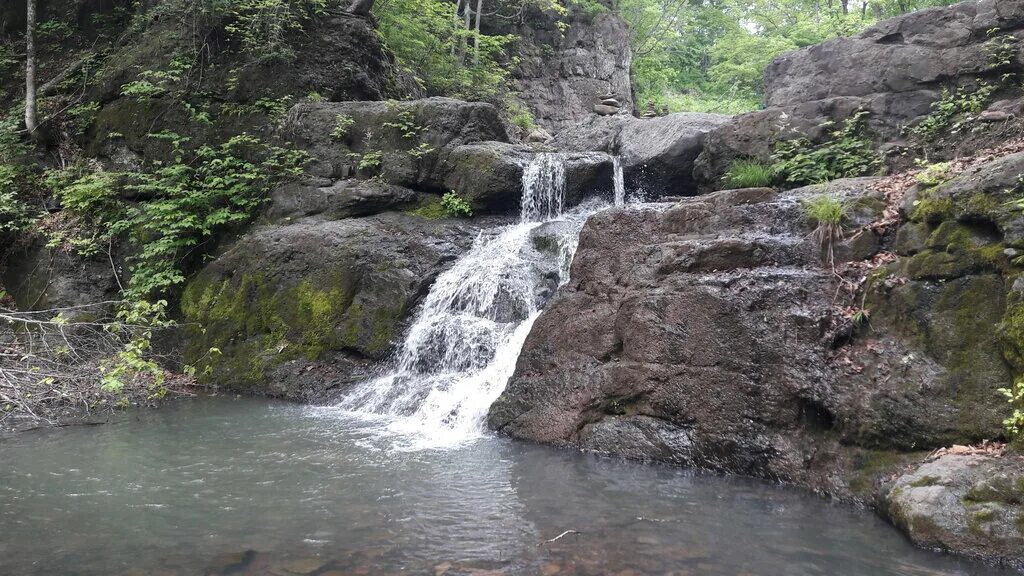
{"x": 465, "y": 338}
{"x": 618, "y": 181}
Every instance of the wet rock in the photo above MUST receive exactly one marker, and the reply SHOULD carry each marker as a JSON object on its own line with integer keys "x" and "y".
{"x": 301, "y": 308}
{"x": 969, "y": 504}
{"x": 657, "y": 155}
{"x": 690, "y": 334}
{"x": 490, "y": 175}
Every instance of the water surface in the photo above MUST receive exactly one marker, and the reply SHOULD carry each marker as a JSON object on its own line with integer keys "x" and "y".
{"x": 244, "y": 486}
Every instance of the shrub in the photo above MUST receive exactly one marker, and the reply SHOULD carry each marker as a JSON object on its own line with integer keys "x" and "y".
{"x": 371, "y": 160}
{"x": 828, "y": 215}
{"x": 748, "y": 174}
{"x": 342, "y": 124}
{"x": 456, "y": 205}
{"x": 933, "y": 174}
{"x": 946, "y": 111}
{"x": 1014, "y": 424}
{"x": 846, "y": 153}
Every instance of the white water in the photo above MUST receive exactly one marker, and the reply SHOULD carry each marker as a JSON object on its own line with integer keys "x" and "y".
{"x": 619, "y": 181}
{"x": 465, "y": 338}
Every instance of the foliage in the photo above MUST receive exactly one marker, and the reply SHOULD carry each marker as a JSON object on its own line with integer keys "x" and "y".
{"x": 521, "y": 116}
{"x": 1014, "y": 424}
{"x": 14, "y": 215}
{"x": 710, "y": 55}
{"x": 342, "y": 124}
{"x": 404, "y": 123}
{"x": 371, "y": 160}
{"x": 133, "y": 365}
{"x": 429, "y": 43}
{"x": 1001, "y": 49}
{"x": 945, "y": 113}
{"x": 828, "y": 215}
{"x": 456, "y": 205}
{"x": 260, "y": 26}
{"x": 845, "y": 153}
{"x": 934, "y": 174}
{"x": 193, "y": 197}
{"x": 16, "y": 178}
{"x": 749, "y": 174}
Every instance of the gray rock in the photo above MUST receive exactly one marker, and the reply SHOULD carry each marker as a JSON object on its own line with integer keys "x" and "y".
{"x": 611, "y": 102}
{"x": 42, "y": 278}
{"x": 341, "y": 199}
{"x": 560, "y": 72}
{"x": 538, "y": 136}
{"x": 414, "y": 160}
{"x": 657, "y": 155}
{"x": 605, "y": 110}
{"x": 969, "y": 504}
{"x": 490, "y": 175}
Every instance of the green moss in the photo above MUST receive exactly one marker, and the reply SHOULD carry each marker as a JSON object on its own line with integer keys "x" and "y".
{"x": 976, "y": 521}
{"x": 933, "y": 210}
{"x": 257, "y": 325}
{"x": 1011, "y": 331}
{"x": 430, "y": 208}
{"x": 925, "y": 481}
{"x": 869, "y": 465}
{"x": 1001, "y": 489}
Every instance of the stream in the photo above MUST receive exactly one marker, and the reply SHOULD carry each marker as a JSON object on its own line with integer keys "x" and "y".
{"x": 219, "y": 485}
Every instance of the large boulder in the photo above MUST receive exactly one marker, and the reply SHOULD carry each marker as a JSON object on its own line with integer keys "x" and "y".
{"x": 292, "y": 310}
{"x": 657, "y": 154}
{"x": 405, "y": 143}
{"x": 709, "y": 334}
{"x": 696, "y": 334}
{"x": 490, "y": 175}
{"x": 971, "y": 503}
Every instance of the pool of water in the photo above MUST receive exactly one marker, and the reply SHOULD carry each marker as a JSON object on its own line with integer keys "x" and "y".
{"x": 243, "y": 486}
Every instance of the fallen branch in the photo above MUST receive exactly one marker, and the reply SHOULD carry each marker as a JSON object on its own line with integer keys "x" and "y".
{"x": 560, "y": 536}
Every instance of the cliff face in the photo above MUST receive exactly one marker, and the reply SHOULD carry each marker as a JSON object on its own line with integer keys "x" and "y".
{"x": 562, "y": 75}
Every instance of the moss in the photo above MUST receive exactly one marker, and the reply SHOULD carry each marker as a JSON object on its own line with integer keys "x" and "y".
{"x": 257, "y": 325}
{"x": 925, "y": 481}
{"x": 976, "y": 521}
{"x": 429, "y": 208}
{"x": 869, "y": 465}
{"x": 1002, "y": 489}
{"x": 933, "y": 210}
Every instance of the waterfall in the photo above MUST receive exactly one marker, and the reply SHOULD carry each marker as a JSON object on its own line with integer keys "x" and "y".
{"x": 618, "y": 181}
{"x": 465, "y": 338}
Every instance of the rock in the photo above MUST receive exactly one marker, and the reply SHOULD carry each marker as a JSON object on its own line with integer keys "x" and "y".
{"x": 490, "y": 175}
{"x": 611, "y": 102}
{"x": 994, "y": 116}
{"x": 413, "y": 152}
{"x": 605, "y": 110}
{"x": 41, "y": 278}
{"x": 1010, "y": 107}
{"x": 970, "y": 504}
{"x": 302, "y": 308}
{"x": 538, "y": 136}
{"x": 341, "y": 199}
{"x": 920, "y": 50}
{"x": 691, "y": 334}
{"x": 704, "y": 334}
{"x": 657, "y": 155}
{"x": 559, "y": 72}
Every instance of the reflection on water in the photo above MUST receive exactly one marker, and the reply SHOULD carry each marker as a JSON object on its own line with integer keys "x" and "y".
{"x": 221, "y": 486}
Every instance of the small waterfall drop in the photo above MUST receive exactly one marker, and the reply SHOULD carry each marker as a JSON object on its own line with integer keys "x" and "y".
{"x": 618, "y": 181}
{"x": 465, "y": 337}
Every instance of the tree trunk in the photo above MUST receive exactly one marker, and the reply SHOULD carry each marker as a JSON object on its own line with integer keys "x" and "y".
{"x": 31, "y": 122}
{"x": 476, "y": 39}
{"x": 360, "y": 7}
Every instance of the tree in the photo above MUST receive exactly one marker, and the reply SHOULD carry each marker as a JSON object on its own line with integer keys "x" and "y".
{"x": 360, "y": 7}
{"x": 31, "y": 122}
